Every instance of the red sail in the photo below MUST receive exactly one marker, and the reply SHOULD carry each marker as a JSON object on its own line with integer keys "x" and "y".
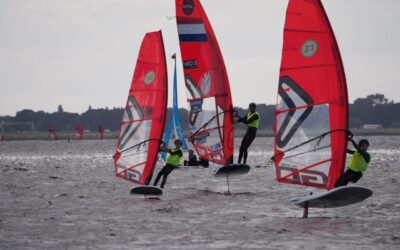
{"x": 143, "y": 121}
{"x": 79, "y": 131}
{"x": 209, "y": 95}
{"x": 52, "y": 132}
{"x": 100, "y": 132}
{"x": 312, "y": 110}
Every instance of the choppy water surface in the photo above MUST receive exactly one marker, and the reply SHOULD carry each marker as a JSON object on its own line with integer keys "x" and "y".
{"x": 59, "y": 195}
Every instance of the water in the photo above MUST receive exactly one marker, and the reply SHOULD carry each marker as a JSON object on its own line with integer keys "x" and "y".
{"x": 59, "y": 195}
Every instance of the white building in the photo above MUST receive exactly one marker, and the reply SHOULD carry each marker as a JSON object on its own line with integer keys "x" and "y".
{"x": 372, "y": 126}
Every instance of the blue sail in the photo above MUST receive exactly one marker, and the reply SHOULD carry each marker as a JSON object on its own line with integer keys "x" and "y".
{"x": 176, "y": 116}
{"x": 166, "y": 137}
{"x": 175, "y": 122}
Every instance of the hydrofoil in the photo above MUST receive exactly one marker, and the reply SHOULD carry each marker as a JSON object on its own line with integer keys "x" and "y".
{"x": 231, "y": 170}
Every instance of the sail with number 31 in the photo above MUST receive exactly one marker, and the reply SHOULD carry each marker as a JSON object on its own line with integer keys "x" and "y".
{"x": 311, "y": 117}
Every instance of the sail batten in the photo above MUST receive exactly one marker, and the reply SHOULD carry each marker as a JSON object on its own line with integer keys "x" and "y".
{"x": 312, "y": 109}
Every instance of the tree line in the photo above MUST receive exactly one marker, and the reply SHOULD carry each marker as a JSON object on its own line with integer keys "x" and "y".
{"x": 373, "y": 109}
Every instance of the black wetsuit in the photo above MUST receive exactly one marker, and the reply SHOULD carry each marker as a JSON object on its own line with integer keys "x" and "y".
{"x": 192, "y": 161}
{"x": 166, "y": 170}
{"x": 248, "y": 137}
{"x": 350, "y": 175}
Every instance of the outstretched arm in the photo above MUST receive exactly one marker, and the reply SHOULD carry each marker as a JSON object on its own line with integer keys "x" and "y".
{"x": 241, "y": 119}
{"x": 350, "y": 138}
{"x": 355, "y": 145}
{"x": 364, "y": 154}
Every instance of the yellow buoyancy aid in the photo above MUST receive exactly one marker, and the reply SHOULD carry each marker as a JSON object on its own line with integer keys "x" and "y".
{"x": 175, "y": 159}
{"x": 255, "y": 123}
{"x": 357, "y": 163}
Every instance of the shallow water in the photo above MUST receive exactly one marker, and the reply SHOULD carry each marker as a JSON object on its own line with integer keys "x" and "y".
{"x": 65, "y": 195}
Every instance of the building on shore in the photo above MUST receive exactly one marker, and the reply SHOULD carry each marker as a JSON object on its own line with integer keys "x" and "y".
{"x": 372, "y": 126}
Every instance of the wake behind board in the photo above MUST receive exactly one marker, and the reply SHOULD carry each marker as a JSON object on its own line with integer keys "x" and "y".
{"x": 338, "y": 197}
{"x": 146, "y": 190}
{"x": 232, "y": 170}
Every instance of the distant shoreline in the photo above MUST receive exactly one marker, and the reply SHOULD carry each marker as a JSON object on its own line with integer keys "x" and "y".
{"x": 355, "y": 131}
{"x": 21, "y": 136}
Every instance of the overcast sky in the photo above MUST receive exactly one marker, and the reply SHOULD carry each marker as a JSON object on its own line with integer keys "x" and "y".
{"x": 82, "y": 52}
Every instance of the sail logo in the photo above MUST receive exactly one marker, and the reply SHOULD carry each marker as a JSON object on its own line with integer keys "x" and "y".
{"x": 196, "y": 106}
{"x": 305, "y": 177}
{"x": 205, "y": 83}
{"x": 188, "y": 7}
{"x": 293, "y": 97}
{"x": 309, "y": 48}
{"x": 130, "y": 174}
{"x": 192, "y": 32}
{"x": 149, "y": 78}
{"x": 132, "y": 112}
{"x": 200, "y": 138}
{"x": 216, "y": 154}
{"x": 190, "y": 64}
{"x": 216, "y": 146}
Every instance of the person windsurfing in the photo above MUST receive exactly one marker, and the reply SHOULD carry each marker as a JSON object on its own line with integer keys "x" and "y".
{"x": 252, "y": 121}
{"x": 358, "y": 163}
{"x": 100, "y": 132}
{"x": 173, "y": 162}
{"x": 192, "y": 161}
{"x": 52, "y": 132}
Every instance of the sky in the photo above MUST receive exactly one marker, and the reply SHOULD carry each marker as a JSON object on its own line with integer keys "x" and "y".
{"x": 83, "y": 52}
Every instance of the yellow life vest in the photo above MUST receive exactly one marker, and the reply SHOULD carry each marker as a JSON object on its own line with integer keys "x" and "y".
{"x": 357, "y": 163}
{"x": 255, "y": 123}
{"x": 174, "y": 160}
